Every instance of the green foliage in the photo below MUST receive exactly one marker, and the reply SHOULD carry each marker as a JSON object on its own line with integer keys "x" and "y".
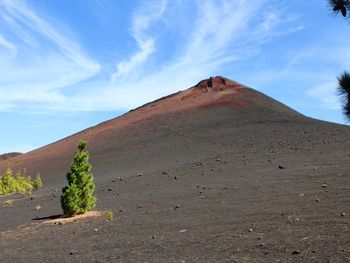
{"x": 340, "y": 6}
{"x": 8, "y": 202}
{"x": 344, "y": 92}
{"x": 37, "y": 182}
{"x": 18, "y": 183}
{"x": 110, "y": 215}
{"x": 78, "y": 196}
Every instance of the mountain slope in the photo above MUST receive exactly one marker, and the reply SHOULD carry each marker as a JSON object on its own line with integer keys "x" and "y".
{"x": 216, "y": 173}
{"x": 163, "y": 128}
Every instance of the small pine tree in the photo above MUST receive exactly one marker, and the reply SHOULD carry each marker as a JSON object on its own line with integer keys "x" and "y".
{"x": 344, "y": 92}
{"x": 37, "y": 183}
{"x": 77, "y": 197}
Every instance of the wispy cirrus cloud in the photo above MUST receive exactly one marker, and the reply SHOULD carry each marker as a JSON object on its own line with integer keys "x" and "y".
{"x": 219, "y": 32}
{"x": 216, "y": 33}
{"x": 40, "y": 59}
{"x": 326, "y": 94}
{"x": 148, "y": 13}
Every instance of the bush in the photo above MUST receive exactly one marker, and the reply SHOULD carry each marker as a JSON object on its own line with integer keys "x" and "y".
{"x": 19, "y": 183}
{"x": 110, "y": 215}
{"x": 77, "y": 197}
{"x": 37, "y": 182}
{"x": 8, "y": 202}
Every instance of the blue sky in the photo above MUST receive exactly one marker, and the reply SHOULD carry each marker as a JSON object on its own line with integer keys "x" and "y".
{"x": 69, "y": 64}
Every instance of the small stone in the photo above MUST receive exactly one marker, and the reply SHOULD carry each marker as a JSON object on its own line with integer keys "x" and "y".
{"x": 175, "y": 178}
{"x": 296, "y": 252}
{"x": 218, "y": 159}
{"x": 324, "y": 185}
{"x": 281, "y": 167}
{"x": 38, "y": 207}
{"x": 140, "y": 174}
{"x": 61, "y": 223}
{"x": 318, "y": 200}
{"x": 177, "y": 206}
{"x": 95, "y": 229}
{"x": 153, "y": 237}
{"x": 250, "y": 230}
{"x": 301, "y": 195}
{"x": 109, "y": 189}
{"x": 183, "y": 231}
{"x": 342, "y": 214}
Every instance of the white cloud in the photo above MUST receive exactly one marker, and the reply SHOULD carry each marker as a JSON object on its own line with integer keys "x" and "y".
{"x": 8, "y": 45}
{"x": 219, "y": 32}
{"x": 43, "y": 58}
{"x": 148, "y": 13}
{"x": 327, "y": 94}
{"x": 216, "y": 33}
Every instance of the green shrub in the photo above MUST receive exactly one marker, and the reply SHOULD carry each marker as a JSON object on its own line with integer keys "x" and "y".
{"x": 18, "y": 183}
{"x": 77, "y": 197}
{"x": 8, "y": 202}
{"x": 110, "y": 215}
{"x": 37, "y": 182}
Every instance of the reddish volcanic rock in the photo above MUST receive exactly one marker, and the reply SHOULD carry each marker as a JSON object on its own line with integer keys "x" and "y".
{"x": 194, "y": 176}
{"x": 107, "y": 139}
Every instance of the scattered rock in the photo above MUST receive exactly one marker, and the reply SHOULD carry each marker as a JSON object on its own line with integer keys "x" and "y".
{"x": 38, "y": 207}
{"x": 324, "y": 185}
{"x": 96, "y": 230}
{"x": 296, "y": 252}
{"x": 109, "y": 189}
{"x": 281, "y": 167}
{"x": 175, "y": 178}
{"x": 177, "y": 206}
{"x": 164, "y": 173}
{"x": 118, "y": 179}
{"x": 153, "y": 237}
{"x": 318, "y": 200}
{"x": 342, "y": 214}
{"x": 183, "y": 231}
{"x": 250, "y": 230}
{"x": 140, "y": 174}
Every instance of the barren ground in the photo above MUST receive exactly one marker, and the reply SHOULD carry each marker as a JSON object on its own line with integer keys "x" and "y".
{"x": 216, "y": 184}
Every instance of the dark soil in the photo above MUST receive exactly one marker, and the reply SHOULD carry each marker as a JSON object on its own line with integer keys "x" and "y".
{"x": 214, "y": 184}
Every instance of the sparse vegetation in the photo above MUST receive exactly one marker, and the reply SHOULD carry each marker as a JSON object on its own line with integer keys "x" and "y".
{"x": 37, "y": 182}
{"x": 77, "y": 197}
{"x": 110, "y": 215}
{"x": 8, "y": 202}
{"x": 343, "y": 7}
{"x": 21, "y": 183}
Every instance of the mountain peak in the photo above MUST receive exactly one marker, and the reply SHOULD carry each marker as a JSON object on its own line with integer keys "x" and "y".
{"x": 217, "y": 83}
